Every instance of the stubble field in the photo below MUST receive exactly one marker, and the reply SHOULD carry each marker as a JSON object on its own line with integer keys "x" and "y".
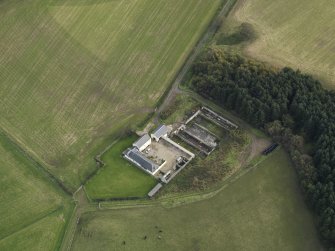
{"x": 293, "y": 33}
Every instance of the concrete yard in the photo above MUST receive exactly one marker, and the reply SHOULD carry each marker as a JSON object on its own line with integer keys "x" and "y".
{"x": 166, "y": 151}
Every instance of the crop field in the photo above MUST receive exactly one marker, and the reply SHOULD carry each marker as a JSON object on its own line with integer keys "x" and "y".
{"x": 75, "y": 72}
{"x": 262, "y": 210}
{"x": 33, "y": 211}
{"x": 293, "y": 33}
{"x": 118, "y": 178}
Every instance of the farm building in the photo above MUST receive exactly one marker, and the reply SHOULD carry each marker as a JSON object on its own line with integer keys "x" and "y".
{"x": 161, "y": 131}
{"x": 158, "y": 155}
{"x": 136, "y": 157}
{"x": 155, "y": 190}
{"x": 142, "y": 142}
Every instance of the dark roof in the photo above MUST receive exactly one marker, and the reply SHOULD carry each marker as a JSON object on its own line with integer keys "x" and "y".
{"x": 141, "y": 160}
{"x": 160, "y": 131}
{"x": 141, "y": 141}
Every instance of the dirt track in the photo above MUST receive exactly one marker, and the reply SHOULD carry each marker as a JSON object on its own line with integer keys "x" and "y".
{"x": 174, "y": 90}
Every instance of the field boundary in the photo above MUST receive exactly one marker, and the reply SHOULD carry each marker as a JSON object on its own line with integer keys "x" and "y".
{"x": 44, "y": 171}
{"x": 33, "y": 222}
{"x": 205, "y": 37}
{"x": 72, "y": 212}
{"x": 98, "y": 163}
{"x": 175, "y": 200}
{"x": 207, "y": 34}
{"x": 70, "y": 229}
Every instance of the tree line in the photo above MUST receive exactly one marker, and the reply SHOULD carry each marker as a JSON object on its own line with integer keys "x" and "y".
{"x": 292, "y": 107}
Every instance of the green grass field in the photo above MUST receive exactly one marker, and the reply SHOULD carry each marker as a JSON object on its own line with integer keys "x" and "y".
{"x": 33, "y": 211}
{"x": 75, "y": 72}
{"x": 293, "y": 33}
{"x": 263, "y": 210}
{"x": 42, "y": 235}
{"x": 118, "y": 178}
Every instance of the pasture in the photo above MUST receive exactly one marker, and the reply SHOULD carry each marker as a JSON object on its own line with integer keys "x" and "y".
{"x": 294, "y": 33}
{"x": 74, "y": 73}
{"x": 119, "y": 178}
{"x": 33, "y": 211}
{"x": 262, "y": 210}
{"x": 42, "y": 235}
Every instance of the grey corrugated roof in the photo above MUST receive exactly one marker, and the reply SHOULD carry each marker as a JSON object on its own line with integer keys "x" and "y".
{"x": 155, "y": 190}
{"x": 141, "y": 141}
{"x": 141, "y": 160}
{"x": 160, "y": 131}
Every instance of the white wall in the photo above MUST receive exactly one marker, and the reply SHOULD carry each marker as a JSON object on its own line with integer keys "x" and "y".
{"x": 145, "y": 145}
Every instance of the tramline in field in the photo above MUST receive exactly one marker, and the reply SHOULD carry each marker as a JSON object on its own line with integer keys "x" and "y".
{"x": 73, "y": 74}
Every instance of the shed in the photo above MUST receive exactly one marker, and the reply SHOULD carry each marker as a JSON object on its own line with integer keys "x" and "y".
{"x": 155, "y": 190}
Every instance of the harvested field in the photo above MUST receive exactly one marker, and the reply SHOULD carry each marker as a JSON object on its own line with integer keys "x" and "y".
{"x": 293, "y": 33}
{"x": 74, "y": 73}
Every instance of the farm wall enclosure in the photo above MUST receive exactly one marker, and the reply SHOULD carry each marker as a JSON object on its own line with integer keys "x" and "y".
{"x": 73, "y": 73}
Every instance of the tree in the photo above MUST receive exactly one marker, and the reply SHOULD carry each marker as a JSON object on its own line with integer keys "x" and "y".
{"x": 283, "y": 101}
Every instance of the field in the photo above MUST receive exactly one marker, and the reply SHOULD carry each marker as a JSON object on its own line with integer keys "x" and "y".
{"x": 118, "y": 178}
{"x": 33, "y": 211}
{"x": 74, "y": 73}
{"x": 293, "y": 33}
{"x": 263, "y": 210}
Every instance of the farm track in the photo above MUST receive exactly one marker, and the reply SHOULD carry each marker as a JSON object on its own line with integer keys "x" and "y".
{"x": 66, "y": 66}
{"x": 173, "y": 201}
{"x": 174, "y": 89}
{"x": 170, "y": 201}
{"x": 97, "y": 67}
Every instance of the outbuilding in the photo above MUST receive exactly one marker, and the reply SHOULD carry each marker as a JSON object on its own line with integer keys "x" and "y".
{"x": 155, "y": 190}
{"x": 142, "y": 142}
{"x": 135, "y": 156}
{"x": 161, "y": 131}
